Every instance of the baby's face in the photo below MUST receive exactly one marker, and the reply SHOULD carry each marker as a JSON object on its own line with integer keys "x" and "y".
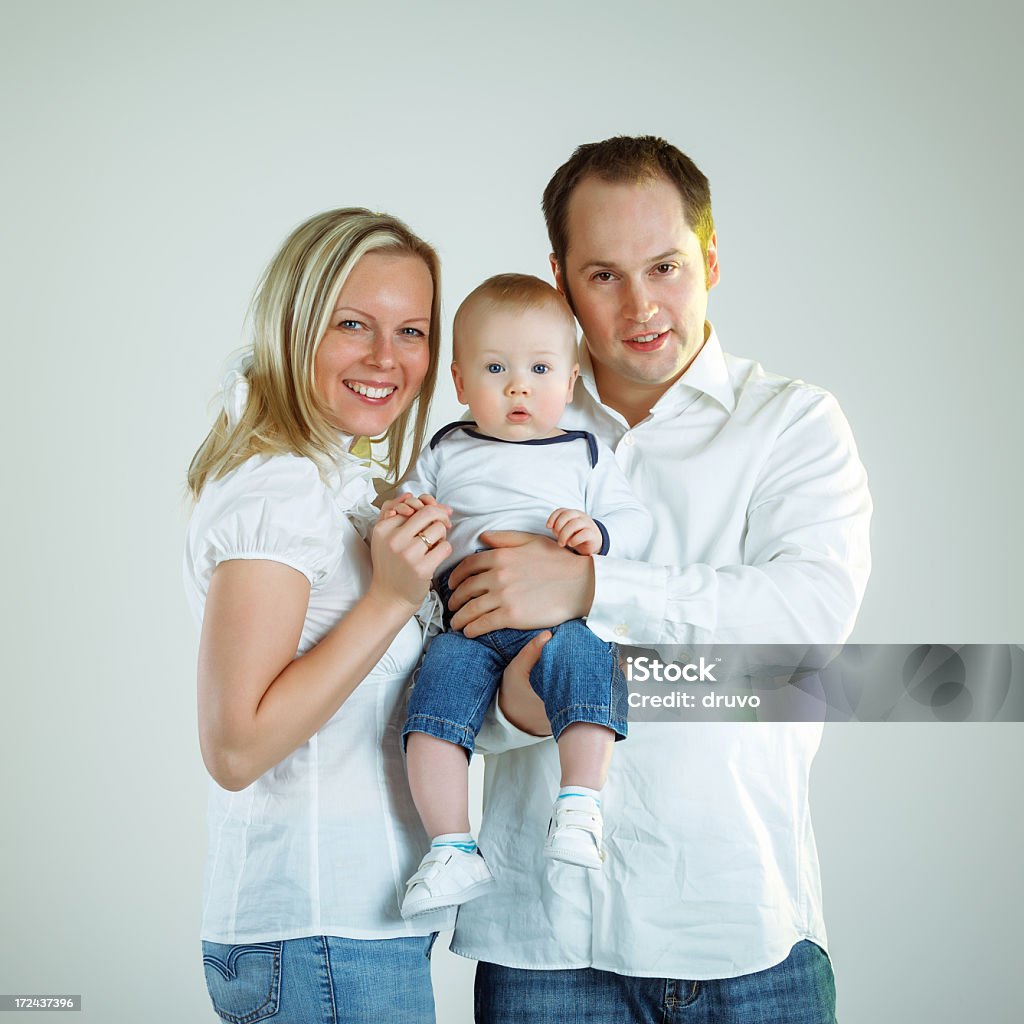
{"x": 515, "y": 371}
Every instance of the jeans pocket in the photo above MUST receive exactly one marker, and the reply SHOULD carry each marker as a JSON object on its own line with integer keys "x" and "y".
{"x": 244, "y": 981}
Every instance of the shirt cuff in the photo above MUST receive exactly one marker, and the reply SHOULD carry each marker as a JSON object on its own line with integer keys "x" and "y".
{"x": 498, "y": 734}
{"x": 630, "y": 601}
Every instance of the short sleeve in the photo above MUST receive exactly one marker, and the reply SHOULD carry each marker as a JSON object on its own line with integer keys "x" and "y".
{"x": 275, "y": 508}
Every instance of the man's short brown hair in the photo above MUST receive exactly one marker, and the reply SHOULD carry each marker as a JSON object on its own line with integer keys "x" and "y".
{"x": 628, "y": 159}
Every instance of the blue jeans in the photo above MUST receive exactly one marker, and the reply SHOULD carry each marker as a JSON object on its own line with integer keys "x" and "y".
{"x": 800, "y": 990}
{"x": 322, "y": 980}
{"x": 577, "y": 676}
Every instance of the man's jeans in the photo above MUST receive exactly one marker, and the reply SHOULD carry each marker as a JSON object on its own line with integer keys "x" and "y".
{"x": 800, "y": 990}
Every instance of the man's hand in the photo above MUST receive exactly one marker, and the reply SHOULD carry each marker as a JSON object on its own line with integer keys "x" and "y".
{"x": 516, "y": 697}
{"x": 575, "y": 529}
{"x": 524, "y": 582}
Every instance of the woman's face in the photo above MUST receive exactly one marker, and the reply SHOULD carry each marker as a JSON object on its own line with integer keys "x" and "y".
{"x": 374, "y": 356}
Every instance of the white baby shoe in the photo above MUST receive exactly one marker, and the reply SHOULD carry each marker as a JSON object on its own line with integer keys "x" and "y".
{"x": 446, "y": 877}
{"x": 574, "y": 832}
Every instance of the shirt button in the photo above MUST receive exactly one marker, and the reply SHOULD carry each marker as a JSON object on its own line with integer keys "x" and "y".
{"x": 621, "y": 630}
{"x": 629, "y": 440}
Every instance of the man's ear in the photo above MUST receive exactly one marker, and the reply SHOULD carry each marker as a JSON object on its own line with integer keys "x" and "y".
{"x": 556, "y": 271}
{"x": 713, "y": 272}
{"x": 457, "y": 377}
{"x": 560, "y": 285}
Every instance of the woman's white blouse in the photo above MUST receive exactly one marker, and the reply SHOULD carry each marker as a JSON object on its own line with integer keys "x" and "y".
{"x": 322, "y": 843}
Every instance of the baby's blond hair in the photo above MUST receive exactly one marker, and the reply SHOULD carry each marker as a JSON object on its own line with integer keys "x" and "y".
{"x": 518, "y": 292}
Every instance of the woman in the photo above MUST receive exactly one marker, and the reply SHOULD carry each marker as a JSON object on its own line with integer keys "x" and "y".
{"x": 308, "y": 638}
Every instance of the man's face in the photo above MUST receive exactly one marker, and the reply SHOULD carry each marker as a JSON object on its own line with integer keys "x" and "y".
{"x": 638, "y": 285}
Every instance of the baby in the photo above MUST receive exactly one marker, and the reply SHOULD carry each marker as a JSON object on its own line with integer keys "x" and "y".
{"x": 514, "y": 468}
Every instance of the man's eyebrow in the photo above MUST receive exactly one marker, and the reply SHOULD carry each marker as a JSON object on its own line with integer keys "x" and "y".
{"x": 612, "y": 265}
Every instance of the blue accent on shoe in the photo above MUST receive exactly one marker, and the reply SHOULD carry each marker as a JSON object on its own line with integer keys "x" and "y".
{"x": 562, "y": 796}
{"x": 464, "y": 847}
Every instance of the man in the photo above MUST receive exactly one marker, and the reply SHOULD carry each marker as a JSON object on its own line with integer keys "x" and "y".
{"x": 708, "y": 907}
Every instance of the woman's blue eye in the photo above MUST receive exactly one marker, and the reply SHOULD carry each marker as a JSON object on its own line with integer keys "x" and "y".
{"x": 540, "y": 368}
{"x": 349, "y": 324}
{"x": 494, "y": 367}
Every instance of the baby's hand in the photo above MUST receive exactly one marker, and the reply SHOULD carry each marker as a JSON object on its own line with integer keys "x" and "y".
{"x": 575, "y": 529}
{"x": 406, "y": 504}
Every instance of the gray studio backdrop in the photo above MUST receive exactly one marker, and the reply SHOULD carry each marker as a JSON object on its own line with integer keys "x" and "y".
{"x": 864, "y": 161}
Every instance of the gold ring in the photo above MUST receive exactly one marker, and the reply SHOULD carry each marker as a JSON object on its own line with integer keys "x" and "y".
{"x": 426, "y": 540}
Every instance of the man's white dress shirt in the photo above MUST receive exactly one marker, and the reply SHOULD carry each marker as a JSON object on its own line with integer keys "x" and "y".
{"x": 761, "y": 514}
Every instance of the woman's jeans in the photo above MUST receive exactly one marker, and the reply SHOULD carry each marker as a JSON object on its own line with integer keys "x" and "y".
{"x": 322, "y": 980}
{"x": 800, "y": 990}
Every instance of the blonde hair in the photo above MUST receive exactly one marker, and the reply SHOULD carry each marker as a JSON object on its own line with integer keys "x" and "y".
{"x": 519, "y": 292}
{"x": 290, "y": 314}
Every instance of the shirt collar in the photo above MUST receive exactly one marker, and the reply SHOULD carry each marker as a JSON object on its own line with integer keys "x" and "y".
{"x": 707, "y": 374}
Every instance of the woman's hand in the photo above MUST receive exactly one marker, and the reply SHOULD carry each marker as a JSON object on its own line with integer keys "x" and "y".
{"x": 407, "y": 546}
{"x": 407, "y": 504}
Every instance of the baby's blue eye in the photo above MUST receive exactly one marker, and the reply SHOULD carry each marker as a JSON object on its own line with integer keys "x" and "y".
{"x": 494, "y": 367}
{"x": 540, "y": 368}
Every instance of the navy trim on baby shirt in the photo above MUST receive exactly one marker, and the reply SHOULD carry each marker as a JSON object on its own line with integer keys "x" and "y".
{"x": 448, "y": 428}
{"x": 569, "y": 435}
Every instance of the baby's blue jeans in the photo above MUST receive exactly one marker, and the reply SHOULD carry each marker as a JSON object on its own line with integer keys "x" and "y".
{"x": 577, "y": 676}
